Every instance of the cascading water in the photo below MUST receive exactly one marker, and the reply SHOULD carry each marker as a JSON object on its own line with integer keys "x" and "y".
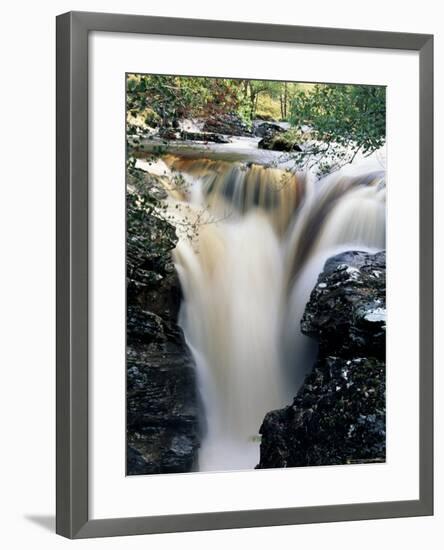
{"x": 231, "y": 316}
{"x": 246, "y": 278}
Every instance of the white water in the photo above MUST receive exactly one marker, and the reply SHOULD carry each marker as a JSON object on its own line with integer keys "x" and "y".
{"x": 231, "y": 317}
{"x": 246, "y": 279}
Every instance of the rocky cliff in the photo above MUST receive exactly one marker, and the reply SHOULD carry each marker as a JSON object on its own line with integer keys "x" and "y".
{"x": 338, "y": 415}
{"x": 162, "y": 403}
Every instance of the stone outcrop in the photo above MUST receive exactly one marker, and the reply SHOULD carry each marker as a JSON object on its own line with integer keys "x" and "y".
{"x": 162, "y": 402}
{"x": 277, "y": 141}
{"x": 338, "y": 415}
{"x": 267, "y": 129}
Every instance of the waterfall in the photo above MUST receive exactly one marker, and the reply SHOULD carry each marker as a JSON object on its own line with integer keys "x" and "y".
{"x": 231, "y": 317}
{"x": 246, "y": 277}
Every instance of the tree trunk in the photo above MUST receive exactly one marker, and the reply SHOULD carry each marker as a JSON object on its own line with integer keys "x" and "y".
{"x": 285, "y": 100}
{"x": 252, "y": 102}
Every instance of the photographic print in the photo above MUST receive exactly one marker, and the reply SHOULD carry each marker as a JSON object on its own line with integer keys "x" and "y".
{"x": 256, "y": 267}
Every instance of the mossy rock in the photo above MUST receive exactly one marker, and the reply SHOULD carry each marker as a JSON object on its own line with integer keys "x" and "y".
{"x": 285, "y": 141}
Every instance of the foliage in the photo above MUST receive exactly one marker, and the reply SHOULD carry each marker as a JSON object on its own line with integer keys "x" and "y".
{"x": 175, "y": 97}
{"x": 270, "y": 97}
{"x": 343, "y": 120}
{"x": 267, "y": 108}
{"x": 165, "y": 99}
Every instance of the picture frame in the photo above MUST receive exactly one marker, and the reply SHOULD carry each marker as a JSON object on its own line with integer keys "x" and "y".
{"x": 73, "y": 341}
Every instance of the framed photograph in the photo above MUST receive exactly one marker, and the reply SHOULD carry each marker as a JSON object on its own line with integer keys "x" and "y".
{"x": 244, "y": 275}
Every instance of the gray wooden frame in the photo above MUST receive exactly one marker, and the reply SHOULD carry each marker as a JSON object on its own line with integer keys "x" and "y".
{"x": 72, "y": 273}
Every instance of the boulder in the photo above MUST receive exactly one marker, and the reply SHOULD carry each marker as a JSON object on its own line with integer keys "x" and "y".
{"x": 346, "y": 312}
{"x": 338, "y": 414}
{"x": 275, "y": 141}
{"x": 268, "y": 129}
{"x": 337, "y": 417}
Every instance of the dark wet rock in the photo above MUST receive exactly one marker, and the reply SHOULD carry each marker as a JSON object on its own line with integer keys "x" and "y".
{"x": 205, "y": 137}
{"x": 162, "y": 406}
{"x": 229, "y": 124}
{"x": 136, "y": 464}
{"x": 151, "y": 277}
{"x": 338, "y": 415}
{"x": 346, "y": 312}
{"x": 268, "y": 129}
{"x": 275, "y": 141}
{"x": 162, "y": 402}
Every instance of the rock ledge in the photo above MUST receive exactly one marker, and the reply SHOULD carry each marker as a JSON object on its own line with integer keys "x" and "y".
{"x": 338, "y": 415}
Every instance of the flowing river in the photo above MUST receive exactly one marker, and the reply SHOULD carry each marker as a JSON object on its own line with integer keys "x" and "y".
{"x": 253, "y": 239}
